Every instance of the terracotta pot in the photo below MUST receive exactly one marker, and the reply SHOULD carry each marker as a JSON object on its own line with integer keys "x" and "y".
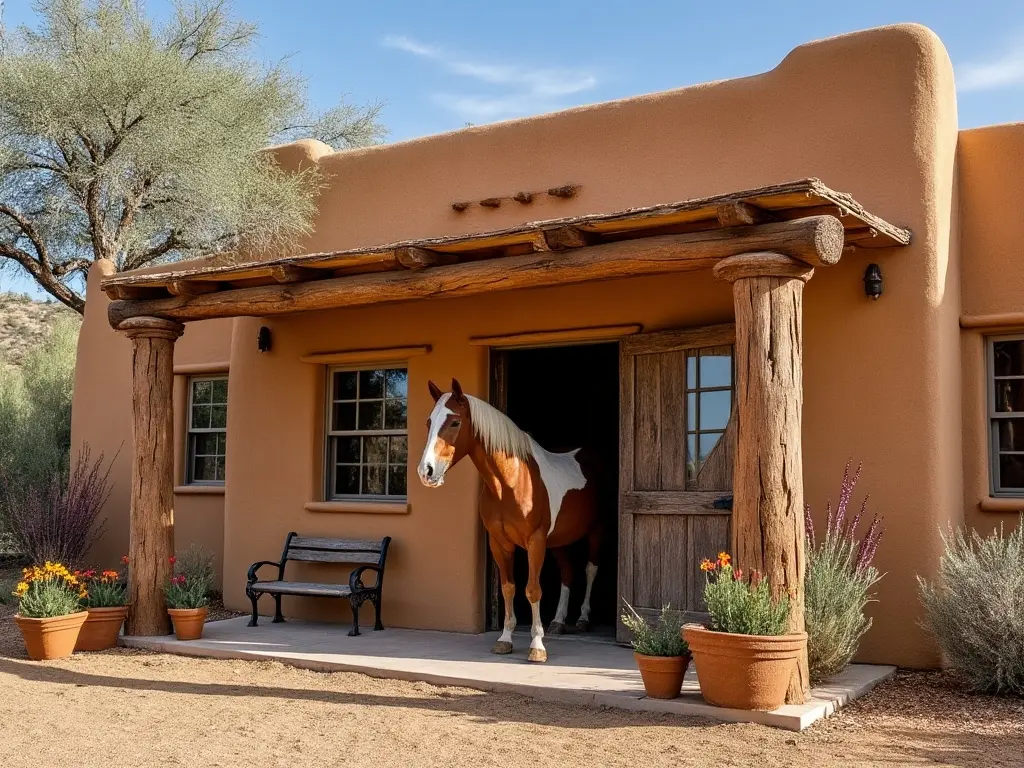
{"x": 743, "y": 671}
{"x": 662, "y": 675}
{"x": 51, "y": 638}
{"x": 101, "y": 629}
{"x": 188, "y": 622}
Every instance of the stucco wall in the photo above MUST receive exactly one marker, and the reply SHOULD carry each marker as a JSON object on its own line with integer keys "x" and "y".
{"x": 102, "y": 416}
{"x": 991, "y": 179}
{"x": 871, "y": 113}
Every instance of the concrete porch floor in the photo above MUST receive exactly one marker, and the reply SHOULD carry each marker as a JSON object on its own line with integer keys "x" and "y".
{"x": 580, "y": 669}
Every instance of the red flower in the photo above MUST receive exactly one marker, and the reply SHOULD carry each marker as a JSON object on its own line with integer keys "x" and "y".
{"x": 172, "y": 559}
{"x": 738, "y": 574}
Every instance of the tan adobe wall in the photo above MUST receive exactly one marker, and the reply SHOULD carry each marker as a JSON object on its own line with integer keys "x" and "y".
{"x": 991, "y": 179}
{"x": 102, "y": 416}
{"x": 871, "y": 113}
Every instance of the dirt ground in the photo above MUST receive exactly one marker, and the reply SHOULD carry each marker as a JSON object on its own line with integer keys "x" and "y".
{"x": 135, "y": 709}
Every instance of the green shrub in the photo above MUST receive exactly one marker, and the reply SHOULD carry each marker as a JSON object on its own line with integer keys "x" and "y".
{"x": 975, "y": 608}
{"x": 662, "y": 639}
{"x": 49, "y": 591}
{"x": 837, "y": 584}
{"x": 192, "y": 579}
{"x": 105, "y": 590}
{"x": 742, "y": 607}
{"x": 196, "y": 564}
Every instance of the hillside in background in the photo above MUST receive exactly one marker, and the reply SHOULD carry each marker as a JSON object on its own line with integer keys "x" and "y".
{"x": 24, "y": 323}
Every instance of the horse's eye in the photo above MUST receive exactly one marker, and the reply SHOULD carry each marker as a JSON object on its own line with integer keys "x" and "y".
{"x": 456, "y": 424}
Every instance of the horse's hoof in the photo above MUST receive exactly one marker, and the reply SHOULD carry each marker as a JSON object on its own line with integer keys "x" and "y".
{"x": 538, "y": 655}
{"x": 556, "y": 628}
{"x": 502, "y": 647}
{"x": 582, "y": 625}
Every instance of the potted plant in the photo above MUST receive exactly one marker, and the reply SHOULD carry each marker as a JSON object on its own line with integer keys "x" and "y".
{"x": 745, "y": 658}
{"x": 49, "y": 611}
{"x": 659, "y": 650}
{"x": 186, "y": 596}
{"x": 106, "y": 603}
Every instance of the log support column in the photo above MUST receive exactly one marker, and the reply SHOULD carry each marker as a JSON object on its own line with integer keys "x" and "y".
{"x": 151, "y": 533}
{"x": 768, "y": 487}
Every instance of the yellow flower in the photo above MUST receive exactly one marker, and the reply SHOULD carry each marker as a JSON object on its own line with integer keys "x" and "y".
{"x": 707, "y": 565}
{"x": 21, "y": 589}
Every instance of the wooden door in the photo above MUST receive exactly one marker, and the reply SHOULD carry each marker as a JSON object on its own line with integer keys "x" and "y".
{"x": 677, "y": 441}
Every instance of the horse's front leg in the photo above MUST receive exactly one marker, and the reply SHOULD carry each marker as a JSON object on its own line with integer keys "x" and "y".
{"x": 503, "y": 558}
{"x": 535, "y": 551}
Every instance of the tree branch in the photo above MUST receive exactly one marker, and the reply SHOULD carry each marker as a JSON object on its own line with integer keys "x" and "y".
{"x": 45, "y": 278}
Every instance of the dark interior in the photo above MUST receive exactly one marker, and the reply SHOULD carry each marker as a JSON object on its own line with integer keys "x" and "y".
{"x": 567, "y": 398}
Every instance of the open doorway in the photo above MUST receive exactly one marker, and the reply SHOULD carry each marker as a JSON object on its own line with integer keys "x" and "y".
{"x": 566, "y": 398}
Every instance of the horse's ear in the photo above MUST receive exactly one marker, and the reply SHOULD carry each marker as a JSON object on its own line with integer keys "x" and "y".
{"x": 435, "y": 391}
{"x": 457, "y": 391}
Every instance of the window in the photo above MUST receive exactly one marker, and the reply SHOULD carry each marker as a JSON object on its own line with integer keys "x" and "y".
{"x": 1006, "y": 414}
{"x": 207, "y": 429}
{"x": 367, "y": 440}
{"x": 708, "y": 403}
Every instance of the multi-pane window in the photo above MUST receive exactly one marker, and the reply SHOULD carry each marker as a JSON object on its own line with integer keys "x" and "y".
{"x": 708, "y": 402}
{"x": 1006, "y": 414}
{"x": 207, "y": 429}
{"x": 367, "y": 451}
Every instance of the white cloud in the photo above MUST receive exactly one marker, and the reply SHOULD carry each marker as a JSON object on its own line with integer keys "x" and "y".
{"x": 1005, "y": 71}
{"x": 523, "y": 89}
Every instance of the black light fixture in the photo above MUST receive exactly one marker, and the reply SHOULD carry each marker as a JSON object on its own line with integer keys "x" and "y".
{"x": 263, "y": 339}
{"x": 873, "y": 281}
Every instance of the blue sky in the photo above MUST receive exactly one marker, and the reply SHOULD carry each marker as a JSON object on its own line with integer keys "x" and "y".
{"x": 440, "y": 65}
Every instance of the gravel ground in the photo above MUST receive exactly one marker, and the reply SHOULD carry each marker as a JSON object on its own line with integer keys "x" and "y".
{"x": 135, "y": 709}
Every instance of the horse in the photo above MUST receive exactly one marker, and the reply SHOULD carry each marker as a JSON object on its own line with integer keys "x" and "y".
{"x": 530, "y": 498}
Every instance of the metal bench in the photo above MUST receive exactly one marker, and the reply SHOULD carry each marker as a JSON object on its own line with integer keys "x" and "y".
{"x": 367, "y": 555}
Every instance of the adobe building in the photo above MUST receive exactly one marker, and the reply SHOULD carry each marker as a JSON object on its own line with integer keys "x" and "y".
{"x": 606, "y": 275}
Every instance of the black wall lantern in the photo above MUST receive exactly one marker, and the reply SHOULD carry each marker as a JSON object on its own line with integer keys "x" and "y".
{"x": 263, "y": 339}
{"x": 873, "y": 281}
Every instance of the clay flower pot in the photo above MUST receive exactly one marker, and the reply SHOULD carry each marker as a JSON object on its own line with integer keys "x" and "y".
{"x": 101, "y": 629}
{"x": 188, "y": 622}
{"x": 51, "y": 638}
{"x": 662, "y": 675}
{"x": 744, "y": 671}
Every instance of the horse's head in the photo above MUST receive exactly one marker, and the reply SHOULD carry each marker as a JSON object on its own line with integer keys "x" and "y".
{"x": 449, "y": 434}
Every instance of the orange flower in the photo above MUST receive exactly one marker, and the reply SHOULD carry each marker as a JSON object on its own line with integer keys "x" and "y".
{"x": 707, "y": 565}
{"x": 724, "y": 558}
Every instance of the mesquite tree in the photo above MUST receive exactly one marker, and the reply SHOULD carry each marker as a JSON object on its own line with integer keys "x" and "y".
{"x": 140, "y": 142}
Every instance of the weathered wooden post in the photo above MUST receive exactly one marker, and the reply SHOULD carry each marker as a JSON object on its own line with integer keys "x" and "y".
{"x": 768, "y": 485}
{"x": 151, "y": 533}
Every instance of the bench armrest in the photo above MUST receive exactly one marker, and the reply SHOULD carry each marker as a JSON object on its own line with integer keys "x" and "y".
{"x": 251, "y": 576}
{"x": 355, "y": 579}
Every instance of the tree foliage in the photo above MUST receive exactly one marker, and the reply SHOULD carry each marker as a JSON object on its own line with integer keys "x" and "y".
{"x": 140, "y": 142}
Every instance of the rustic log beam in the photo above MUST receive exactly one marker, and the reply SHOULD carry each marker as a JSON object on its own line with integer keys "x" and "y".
{"x": 134, "y": 292}
{"x": 151, "y": 519}
{"x": 564, "y": 238}
{"x": 293, "y": 273}
{"x": 192, "y": 287}
{"x": 418, "y": 258}
{"x": 817, "y": 240}
{"x": 739, "y": 213}
{"x": 768, "y": 486}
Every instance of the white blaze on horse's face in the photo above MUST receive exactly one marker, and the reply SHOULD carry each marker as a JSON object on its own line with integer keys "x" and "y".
{"x": 440, "y": 448}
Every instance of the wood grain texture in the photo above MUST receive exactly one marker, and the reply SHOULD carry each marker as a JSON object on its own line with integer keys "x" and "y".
{"x": 672, "y": 420}
{"x": 151, "y": 516}
{"x": 723, "y": 334}
{"x": 768, "y": 495}
{"x": 327, "y": 556}
{"x": 647, "y": 556}
{"x": 627, "y": 377}
{"x": 647, "y": 424}
{"x": 716, "y": 472}
{"x": 672, "y": 502}
{"x": 354, "y": 545}
{"x": 707, "y": 535}
{"x": 814, "y": 240}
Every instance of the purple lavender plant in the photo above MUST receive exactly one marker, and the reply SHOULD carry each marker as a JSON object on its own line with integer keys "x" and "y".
{"x": 836, "y": 525}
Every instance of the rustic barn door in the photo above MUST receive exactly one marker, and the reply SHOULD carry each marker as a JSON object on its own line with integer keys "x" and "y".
{"x": 677, "y": 441}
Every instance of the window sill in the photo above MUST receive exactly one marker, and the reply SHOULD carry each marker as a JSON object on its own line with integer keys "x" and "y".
{"x": 360, "y": 507}
{"x": 1002, "y": 504}
{"x": 199, "y": 490}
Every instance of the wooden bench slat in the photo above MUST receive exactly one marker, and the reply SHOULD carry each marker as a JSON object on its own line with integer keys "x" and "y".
{"x": 336, "y": 545}
{"x": 303, "y": 588}
{"x": 325, "y": 556}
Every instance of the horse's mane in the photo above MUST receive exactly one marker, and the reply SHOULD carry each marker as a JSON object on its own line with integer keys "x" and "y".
{"x": 497, "y": 431}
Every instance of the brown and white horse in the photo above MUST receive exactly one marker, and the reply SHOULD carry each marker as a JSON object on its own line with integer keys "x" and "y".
{"x": 530, "y": 498}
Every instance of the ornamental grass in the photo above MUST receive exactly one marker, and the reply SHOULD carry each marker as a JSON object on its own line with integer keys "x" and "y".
{"x": 49, "y": 591}
{"x": 742, "y": 606}
{"x": 661, "y": 639}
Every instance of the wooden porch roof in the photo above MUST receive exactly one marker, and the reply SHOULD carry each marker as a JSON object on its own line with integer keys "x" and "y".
{"x": 777, "y": 203}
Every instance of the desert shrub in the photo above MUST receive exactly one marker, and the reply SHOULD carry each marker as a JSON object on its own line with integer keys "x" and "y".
{"x": 661, "y": 639}
{"x": 838, "y": 582}
{"x": 741, "y": 606}
{"x": 59, "y": 520}
{"x": 975, "y": 608}
{"x": 190, "y": 588}
{"x": 196, "y": 564}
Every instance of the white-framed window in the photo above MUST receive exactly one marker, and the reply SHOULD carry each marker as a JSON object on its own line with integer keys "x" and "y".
{"x": 1006, "y": 414}
{"x": 207, "y": 430}
{"x": 367, "y": 432}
